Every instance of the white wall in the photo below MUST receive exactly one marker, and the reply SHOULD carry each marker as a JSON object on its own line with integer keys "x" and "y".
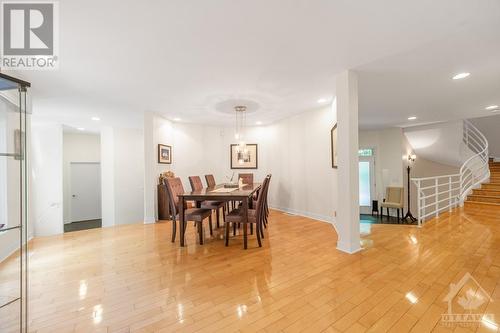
{"x": 489, "y": 127}
{"x": 421, "y": 168}
{"x": 47, "y": 178}
{"x": 77, "y": 148}
{"x": 122, "y": 170}
{"x": 296, "y": 151}
{"x": 388, "y": 157}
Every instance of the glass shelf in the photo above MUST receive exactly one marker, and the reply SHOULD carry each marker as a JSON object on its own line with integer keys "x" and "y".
{"x": 3, "y": 229}
{"x": 8, "y": 302}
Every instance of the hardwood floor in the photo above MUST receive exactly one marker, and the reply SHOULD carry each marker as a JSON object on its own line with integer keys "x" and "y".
{"x": 133, "y": 279}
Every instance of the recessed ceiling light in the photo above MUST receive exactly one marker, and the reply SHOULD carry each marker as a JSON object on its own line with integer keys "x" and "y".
{"x": 177, "y": 119}
{"x": 460, "y": 76}
{"x": 323, "y": 100}
{"x": 95, "y": 118}
{"x": 412, "y": 118}
{"x": 81, "y": 129}
{"x": 258, "y": 123}
{"x": 491, "y": 107}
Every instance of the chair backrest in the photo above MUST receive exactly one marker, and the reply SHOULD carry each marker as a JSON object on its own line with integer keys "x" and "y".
{"x": 210, "y": 180}
{"x": 196, "y": 183}
{"x": 394, "y": 194}
{"x": 262, "y": 197}
{"x": 174, "y": 188}
{"x": 247, "y": 178}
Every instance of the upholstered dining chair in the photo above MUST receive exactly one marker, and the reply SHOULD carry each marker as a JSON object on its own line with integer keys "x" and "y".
{"x": 254, "y": 216}
{"x": 393, "y": 199}
{"x": 175, "y": 188}
{"x": 246, "y": 177}
{"x": 210, "y": 179}
{"x": 196, "y": 185}
{"x": 265, "y": 210}
{"x": 212, "y": 183}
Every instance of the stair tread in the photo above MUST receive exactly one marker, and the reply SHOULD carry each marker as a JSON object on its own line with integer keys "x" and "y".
{"x": 482, "y": 203}
{"x": 488, "y": 191}
{"x": 484, "y": 196}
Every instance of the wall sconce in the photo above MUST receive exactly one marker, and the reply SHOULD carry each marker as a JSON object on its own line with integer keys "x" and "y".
{"x": 412, "y": 158}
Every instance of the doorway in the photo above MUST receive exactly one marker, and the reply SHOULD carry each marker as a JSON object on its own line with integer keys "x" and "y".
{"x": 82, "y": 181}
{"x": 85, "y": 185}
{"x": 367, "y": 184}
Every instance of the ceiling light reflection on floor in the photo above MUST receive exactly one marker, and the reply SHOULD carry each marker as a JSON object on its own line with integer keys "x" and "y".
{"x": 412, "y": 298}
{"x": 83, "y": 289}
{"x": 413, "y": 239}
{"x": 489, "y": 323}
{"x": 180, "y": 313}
{"x": 97, "y": 314}
{"x": 241, "y": 310}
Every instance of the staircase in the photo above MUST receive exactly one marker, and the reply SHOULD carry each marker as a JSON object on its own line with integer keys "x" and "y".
{"x": 489, "y": 193}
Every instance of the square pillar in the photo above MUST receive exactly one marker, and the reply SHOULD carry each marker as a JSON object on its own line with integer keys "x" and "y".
{"x": 347, "y": 223}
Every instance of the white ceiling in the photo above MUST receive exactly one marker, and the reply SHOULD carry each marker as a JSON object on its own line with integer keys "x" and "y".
{"x": 183, "y": 58}
{"x": 419, "y": 82}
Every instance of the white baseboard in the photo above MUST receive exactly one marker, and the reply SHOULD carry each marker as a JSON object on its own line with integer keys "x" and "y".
{"x": 149, "y": 220}
{"x": 314, "y": 216}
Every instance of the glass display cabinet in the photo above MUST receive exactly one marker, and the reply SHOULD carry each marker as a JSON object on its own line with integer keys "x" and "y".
{"x": 14, "y": 229}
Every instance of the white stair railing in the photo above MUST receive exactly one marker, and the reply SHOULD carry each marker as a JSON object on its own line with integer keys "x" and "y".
{"x": 475, "y": 169}
{"x": 441, "y": 193}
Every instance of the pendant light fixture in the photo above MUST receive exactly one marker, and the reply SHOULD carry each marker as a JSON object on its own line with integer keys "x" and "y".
{"x": 239, "y": 134}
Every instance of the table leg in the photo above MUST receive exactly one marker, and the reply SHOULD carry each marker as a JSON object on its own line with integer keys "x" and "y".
{"x": 245, "y": 216}
{"x": 182, "y": 221}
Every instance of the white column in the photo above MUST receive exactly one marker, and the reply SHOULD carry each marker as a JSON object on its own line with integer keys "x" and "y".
{"x": 149, "y": 169}
{"x": 47, "y": 185}
{"x": 347, "y": 223}
{"x": 108, "y": 176}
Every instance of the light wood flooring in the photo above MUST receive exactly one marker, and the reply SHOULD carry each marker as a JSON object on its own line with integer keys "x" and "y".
{"x": 133, "y": 279}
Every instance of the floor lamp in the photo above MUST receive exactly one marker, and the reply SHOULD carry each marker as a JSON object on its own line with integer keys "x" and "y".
{"x": 411, "y": 159}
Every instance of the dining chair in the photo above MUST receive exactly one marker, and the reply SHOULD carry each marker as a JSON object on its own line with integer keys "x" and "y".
{"x": 254, "y": 216}
{"x": 175, "y": 188}
{"x": 394, "y": 199}
{"x": 246, "y": 177}
{"x": 266, "y": 202}
{"x": 266, "y": 207}
{"x": 196, "y": 185}
{"x": 210, "y": 179}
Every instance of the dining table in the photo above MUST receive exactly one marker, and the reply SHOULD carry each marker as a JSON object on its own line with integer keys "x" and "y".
{"x": 219, "y": 192}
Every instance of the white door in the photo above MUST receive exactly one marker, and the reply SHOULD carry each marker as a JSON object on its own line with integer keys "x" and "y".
{"x": 366, "y": 184}
{"x": 85, "y": 191}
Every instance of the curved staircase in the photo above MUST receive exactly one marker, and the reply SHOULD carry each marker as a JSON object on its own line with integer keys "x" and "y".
{"x": 489, "y": 193}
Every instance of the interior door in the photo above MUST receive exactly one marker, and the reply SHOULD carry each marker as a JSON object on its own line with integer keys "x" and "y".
{"x": 366, "y": 183}
{"x": 85, "y": 191}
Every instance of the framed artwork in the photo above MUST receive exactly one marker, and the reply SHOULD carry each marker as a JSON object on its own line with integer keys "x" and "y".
{"x": 164, "y": 154}
{"x": 239, "y": 160}
{"x": 333, "y": 140}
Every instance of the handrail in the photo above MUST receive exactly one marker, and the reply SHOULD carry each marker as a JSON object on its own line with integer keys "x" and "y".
{"x": 473, "y": 172}
{"x": 479, "y": 173}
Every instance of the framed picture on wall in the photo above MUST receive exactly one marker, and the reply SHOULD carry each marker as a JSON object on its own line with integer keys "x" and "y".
{"x": 244, "y": 159}
{"x": 164, "y": 154}
{"x": 333, "y": 140}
